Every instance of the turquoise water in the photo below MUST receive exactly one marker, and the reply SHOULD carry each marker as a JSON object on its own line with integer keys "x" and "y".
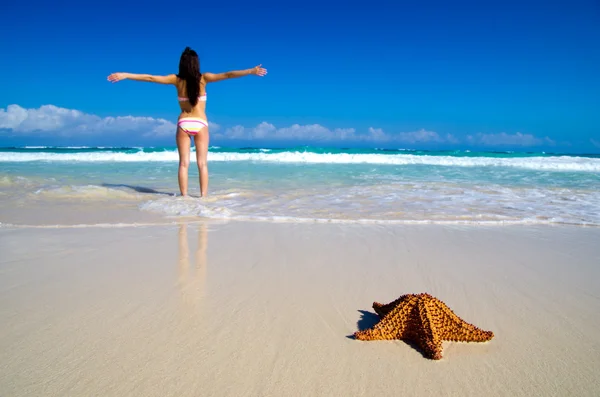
{"x": 317, "y": 184}
{"x": 317, "y": 150}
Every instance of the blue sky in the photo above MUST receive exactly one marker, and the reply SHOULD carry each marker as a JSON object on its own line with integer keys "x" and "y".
{"x": 495, "y": 74}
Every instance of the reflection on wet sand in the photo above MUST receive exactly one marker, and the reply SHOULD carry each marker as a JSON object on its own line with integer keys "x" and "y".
{"x": 191, "y": 280}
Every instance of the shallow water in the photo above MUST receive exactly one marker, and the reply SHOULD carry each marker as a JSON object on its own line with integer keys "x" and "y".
{"x": 311, "y": 184}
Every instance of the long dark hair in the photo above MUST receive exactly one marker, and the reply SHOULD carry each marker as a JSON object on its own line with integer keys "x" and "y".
{"x": 189, "y": 70}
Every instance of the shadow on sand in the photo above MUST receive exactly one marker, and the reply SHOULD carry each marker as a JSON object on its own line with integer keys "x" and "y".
{"x": 139, "y": 189}
{"x": 366, "y": 321}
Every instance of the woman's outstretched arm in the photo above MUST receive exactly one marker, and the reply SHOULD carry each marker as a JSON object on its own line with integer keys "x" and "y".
{"x": 213, "y": 77}
{"x": 169, "y": 79}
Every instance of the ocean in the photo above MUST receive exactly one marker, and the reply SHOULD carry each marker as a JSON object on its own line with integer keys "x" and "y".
{"x": 307, "y": 184}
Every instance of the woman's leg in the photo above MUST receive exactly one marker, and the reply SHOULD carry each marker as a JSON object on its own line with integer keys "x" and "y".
{"x": 201, "y": 141}
{"x": 183, "y": 146}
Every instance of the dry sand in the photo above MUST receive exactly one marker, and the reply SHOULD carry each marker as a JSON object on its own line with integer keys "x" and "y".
{"x": 256, "y": 309}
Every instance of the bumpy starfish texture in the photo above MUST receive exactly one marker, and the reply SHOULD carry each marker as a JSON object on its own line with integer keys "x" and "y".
{"x": 424, "y": 320}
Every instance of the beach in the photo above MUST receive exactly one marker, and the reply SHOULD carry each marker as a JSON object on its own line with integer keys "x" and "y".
{"x": 111, "y": 284}
{"x": 261, "y": 308}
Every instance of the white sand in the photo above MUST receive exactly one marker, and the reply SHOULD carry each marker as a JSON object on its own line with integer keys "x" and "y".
{"x": 254, "y": 309}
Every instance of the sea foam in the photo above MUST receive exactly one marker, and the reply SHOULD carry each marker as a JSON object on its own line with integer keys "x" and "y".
{"x": 548, "y": 163}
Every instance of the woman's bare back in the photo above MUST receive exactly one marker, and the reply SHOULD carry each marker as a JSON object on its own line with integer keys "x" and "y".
{"x": 187, "y": 110}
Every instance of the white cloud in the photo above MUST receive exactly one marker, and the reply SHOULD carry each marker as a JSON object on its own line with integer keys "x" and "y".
{"x": 295, "y": 132}
{"x": 420, "y": 136}
{"x": 317, "y": 132}
{"x": 62, "y": 122}
{"x": 504, "y": 139}
{"x": 68, "y": 122}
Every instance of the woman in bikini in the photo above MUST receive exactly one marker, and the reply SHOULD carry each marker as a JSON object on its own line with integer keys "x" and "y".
{"x": 192, "y": 122}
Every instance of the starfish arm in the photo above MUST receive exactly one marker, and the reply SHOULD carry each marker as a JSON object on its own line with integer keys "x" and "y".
{"x": 457, "y": 330}
{"x": 428, "y": 337}
{"x": 383, "y": 309}
{"x": 381, "y": 331}
{"x": 390, "y": 327}
{"x": 373, "y": 334}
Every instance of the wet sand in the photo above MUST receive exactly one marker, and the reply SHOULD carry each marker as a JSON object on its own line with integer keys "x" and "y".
{"x": 259, "y": 309}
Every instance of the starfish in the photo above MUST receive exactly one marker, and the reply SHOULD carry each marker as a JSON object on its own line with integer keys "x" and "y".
{"x": 424, "y": 320}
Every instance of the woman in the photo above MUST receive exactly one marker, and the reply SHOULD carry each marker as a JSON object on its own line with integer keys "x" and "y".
{"x": 192, "y": 122}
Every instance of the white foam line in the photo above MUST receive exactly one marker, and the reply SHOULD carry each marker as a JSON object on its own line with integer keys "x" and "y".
{"x": 187, "y": 220}
{"x": 412, "y": 222}
{"x": 556, "y": 163}
{"x": 284, "y": 219}
{"x": 84, "y": 226}
{"x": 407, "y": 222}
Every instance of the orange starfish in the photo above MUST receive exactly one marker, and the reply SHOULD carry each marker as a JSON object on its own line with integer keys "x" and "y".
{"x": 424, "y": 320}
